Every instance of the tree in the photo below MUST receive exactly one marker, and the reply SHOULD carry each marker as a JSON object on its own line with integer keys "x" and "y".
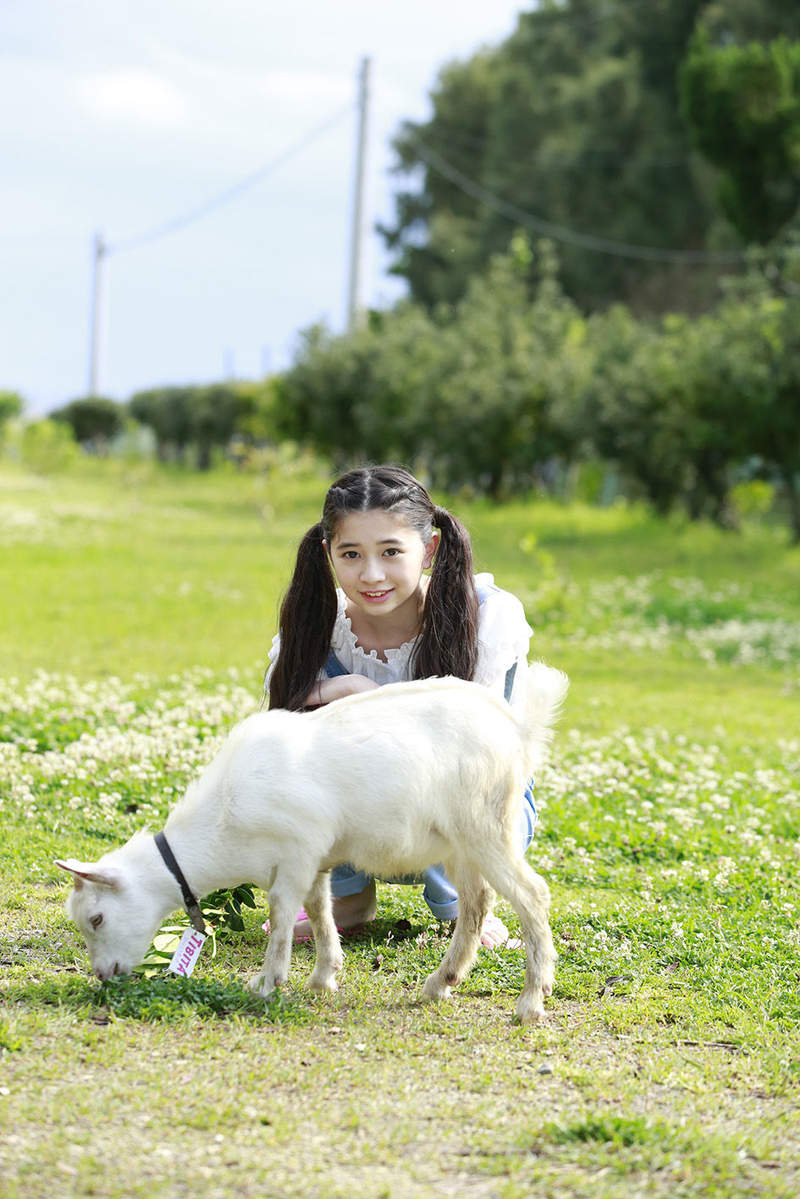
{"x": 681, "y": 404}
{"x": 464, "y": 395}
{"x": 368, "y": 395}
{"x": 94, "y": 420}
{"x": 743, "y": 106}
{"x": 760, "y": 371}
{"x": 257, "y": 418}
{"x": 11, "y": 405}
{"x": 200, "y": 416}
{"x": 167, "y": 411}
{"x": 630, "y": 407}
{"x": 647, "y": 396}
{"x": 215, "y": 413}
{"x": 490, "y": 428}
{"x": 576, "y": 119}
{"x": 437, "y": 233}
{"x": 573, "y": 118}
{"x": 742, "y": 21}
{"x": 778, "y": 429}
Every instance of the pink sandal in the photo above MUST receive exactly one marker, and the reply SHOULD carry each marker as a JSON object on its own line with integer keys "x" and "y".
{"x": 303, "y": 915}
{"x": 494, "y": 935}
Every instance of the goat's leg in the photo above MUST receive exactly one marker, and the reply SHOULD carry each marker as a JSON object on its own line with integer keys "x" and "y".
{"x": 529, "y": 895}
{"x": 326, "y": 938}
{"x": 474, "y": 904}
{"x": 285, "y": 900}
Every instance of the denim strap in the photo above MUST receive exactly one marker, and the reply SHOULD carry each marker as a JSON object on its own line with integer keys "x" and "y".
{"x": 333, "y": 667}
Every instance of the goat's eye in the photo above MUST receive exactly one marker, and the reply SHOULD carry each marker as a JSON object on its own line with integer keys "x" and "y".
{"x": 97, "y": 920}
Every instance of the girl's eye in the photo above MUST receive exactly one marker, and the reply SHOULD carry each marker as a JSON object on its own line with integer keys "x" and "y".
{"x": 97, "y": 920}
{"x": 392, "y": 551}
{"x": 350, "y": 554}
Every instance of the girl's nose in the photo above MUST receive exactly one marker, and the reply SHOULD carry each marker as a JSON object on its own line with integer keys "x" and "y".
{"x": 372, "y": 570}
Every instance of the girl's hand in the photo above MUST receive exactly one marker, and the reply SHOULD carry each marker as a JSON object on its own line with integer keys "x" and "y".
{"x": 326, "y": 691}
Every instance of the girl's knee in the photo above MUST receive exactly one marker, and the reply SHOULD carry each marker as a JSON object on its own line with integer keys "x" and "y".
{"x": 346, "y": 880}
{"x": 439, "y": 894}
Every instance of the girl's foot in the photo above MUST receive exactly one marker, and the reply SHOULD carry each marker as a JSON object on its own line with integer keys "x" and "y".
{"x": 350, "y": 912}
{"x": 494, "y": 934}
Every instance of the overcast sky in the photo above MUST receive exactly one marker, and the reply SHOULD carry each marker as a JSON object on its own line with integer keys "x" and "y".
{"x": 119, "y": 116}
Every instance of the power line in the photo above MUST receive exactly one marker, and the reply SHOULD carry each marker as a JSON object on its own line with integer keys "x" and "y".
{"x": 137, "y": 240}
{"x": 101, "y": 249}
{"x": 586, "y": 241}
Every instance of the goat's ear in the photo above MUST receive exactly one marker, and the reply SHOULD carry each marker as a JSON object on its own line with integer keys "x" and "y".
{"x": 88, "y": 872}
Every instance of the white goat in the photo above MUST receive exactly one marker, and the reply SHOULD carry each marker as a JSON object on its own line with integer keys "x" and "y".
{"x": 392, "y": 780}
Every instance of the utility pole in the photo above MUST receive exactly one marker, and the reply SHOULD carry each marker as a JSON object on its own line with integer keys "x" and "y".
{"x": 356, "y": 233}
{"x": 98, "y": 254}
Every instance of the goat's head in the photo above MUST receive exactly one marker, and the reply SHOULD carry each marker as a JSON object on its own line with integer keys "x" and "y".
{"x": 116, "y": 915}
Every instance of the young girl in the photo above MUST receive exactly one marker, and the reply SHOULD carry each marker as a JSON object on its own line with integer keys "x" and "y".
{"x": 388, "y": 621}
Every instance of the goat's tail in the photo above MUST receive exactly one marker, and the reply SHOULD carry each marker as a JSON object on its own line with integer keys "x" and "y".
{"x": 544, "y": 697}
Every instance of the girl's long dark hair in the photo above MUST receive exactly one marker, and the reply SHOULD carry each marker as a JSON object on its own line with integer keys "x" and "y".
{"x": 447, "y": 643}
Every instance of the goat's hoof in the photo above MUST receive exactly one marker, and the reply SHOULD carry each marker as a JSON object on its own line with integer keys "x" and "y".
{"x": 261, "y": 985}
{"x": 323, "y": 982}
{"x": 530, "y": 1009}
{"x": 434, "y": 990}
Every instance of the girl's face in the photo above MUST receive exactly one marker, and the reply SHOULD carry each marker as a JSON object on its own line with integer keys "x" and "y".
{"x": 379, "y": 559}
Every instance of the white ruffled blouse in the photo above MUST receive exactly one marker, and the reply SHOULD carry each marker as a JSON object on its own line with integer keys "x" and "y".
{"x": 503, "y": 642}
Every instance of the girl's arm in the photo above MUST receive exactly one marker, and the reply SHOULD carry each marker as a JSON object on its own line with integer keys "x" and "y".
{"x": 327, "y": 690}
{"x": 503, "y": 643}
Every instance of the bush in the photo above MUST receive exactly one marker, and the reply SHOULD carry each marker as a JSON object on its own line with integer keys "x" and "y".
{"x": 753, "y": 498}
{"x": 202, "y": 418}
{"x": 11, "y": 405}
{"x": 94, "y": 420}
{"x": 48, "y": 446}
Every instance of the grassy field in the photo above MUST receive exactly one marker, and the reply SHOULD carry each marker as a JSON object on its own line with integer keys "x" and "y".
{"x": 137, "y": 607}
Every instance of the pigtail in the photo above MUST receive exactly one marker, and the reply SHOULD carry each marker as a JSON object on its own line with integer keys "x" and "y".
{"x": 308, "y": 614}
{"x": 448, "y": 641}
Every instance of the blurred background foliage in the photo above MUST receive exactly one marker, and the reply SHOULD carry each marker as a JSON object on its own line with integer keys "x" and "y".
{"x": 648, "y": 350}
{"x": 670, "y": 125}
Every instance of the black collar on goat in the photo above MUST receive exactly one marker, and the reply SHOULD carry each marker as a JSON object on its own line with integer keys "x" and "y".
{"x": 189, "y": 898}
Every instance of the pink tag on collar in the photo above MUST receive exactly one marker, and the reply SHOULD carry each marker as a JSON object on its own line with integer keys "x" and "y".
{"x": 187, "y": 953}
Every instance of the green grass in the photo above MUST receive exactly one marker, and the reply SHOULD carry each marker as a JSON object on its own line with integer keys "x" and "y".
{"x": 137, "y": 606}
